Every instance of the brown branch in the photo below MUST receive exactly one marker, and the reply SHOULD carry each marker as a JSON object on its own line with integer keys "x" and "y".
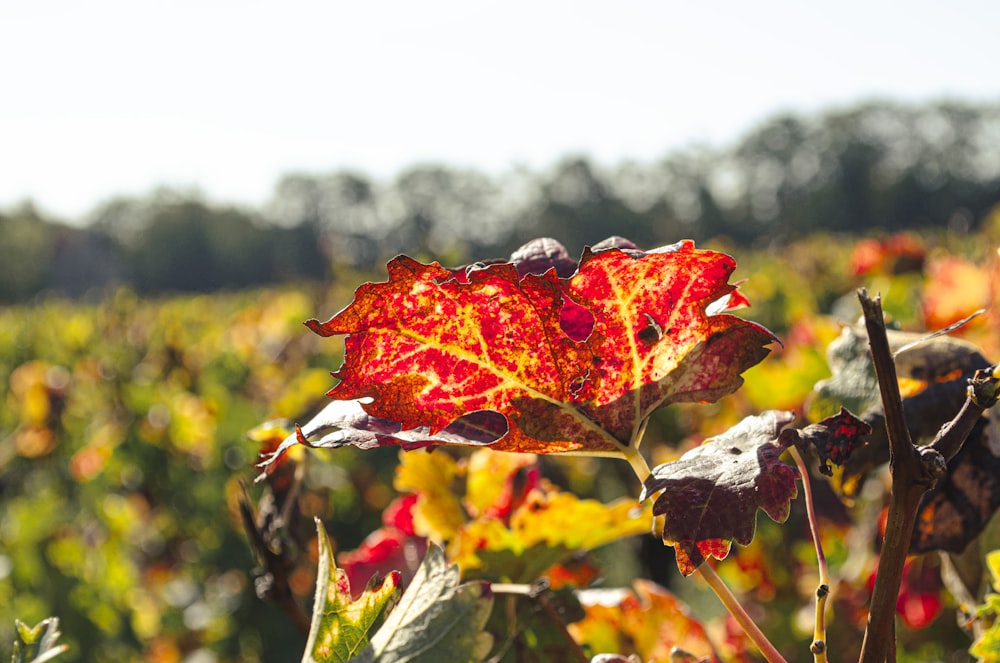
{"x": 912, "y": 471}
{"x": 274, "y": 566}
{"x": 900, "y": 445}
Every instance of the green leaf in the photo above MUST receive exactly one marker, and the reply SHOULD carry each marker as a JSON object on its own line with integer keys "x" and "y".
{"x": 437, "y": 620}
{"x": 993, "y": 564}
{"x": 987, "y": 648}
{"x": 38, "y": 644}
{"x": 340, "y": 625}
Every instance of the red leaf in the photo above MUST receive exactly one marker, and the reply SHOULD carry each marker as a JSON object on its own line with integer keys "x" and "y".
{"x": 710, "y": 495}
{"x": 429, "y": 349}
{"x": 835, "y": 438}
{"x": 575, "y": 364}
{"x": 385, "y": 551}
{"x": 399, "y": 514}
{"x": 653, "y": 341}
{"x": 919, "y": 600}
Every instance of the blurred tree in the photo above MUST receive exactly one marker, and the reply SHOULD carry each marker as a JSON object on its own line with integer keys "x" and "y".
{"x": 438, "y": 210}
{"x": 86, "y": 261}
{"x": 172, "y": 240}
{"x": 174, "y": 251}
{"x": 577, "y": 206}
{"x": 341, "y": 209}
{"x": 27, "y": 244}
{"x": 875, "y": 166}
{"x": 879, "y": 165}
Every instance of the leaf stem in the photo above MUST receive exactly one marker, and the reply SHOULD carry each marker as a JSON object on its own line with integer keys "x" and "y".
{"x": 638, "y": 463}
{"x": 736, "y": 609}
{"x": 818, "y": 646}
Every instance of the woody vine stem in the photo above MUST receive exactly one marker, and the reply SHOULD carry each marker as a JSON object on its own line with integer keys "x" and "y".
{"x": 913, "y": 471}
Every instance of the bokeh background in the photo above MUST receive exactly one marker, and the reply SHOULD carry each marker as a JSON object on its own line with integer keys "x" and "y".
{"x": 182, "y": 184}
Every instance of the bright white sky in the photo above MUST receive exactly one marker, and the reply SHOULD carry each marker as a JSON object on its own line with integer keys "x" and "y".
{"x": 113, "y": 97}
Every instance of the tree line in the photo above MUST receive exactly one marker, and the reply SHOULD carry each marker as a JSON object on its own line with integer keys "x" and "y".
{"x": 878, "y": 166}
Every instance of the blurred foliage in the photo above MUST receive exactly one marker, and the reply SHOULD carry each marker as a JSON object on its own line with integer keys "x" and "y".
{"x": 122, "y": 441}
{"x": 123, "y": 444}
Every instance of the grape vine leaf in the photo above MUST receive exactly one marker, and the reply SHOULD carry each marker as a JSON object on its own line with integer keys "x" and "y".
{"x": 497, "y": 483}
{"x": 345, "y": 422}
{"x": 959, "y": 506}
{"x": 986, "y": 648}
{"x": 935, "y": 373}
{"x": 340, "y": 625}
{"x": 572, "y": 364}
{"x": 548, "y": 529}
{"x": 835, "y": 438}
{"x": 393, "y": 547}
{"x": 500, "y": 520}
{"x": 437, "y": 619}
{"x": 646, "y": 621}
{"x": 710, "y": 495}
{"x": 437, "y": 512}
{"x": 932, "y": 376}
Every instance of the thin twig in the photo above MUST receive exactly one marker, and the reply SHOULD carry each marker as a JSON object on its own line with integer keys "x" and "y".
{"x": 982, "y": 394}
{"x": 819, "y": 645}
{"x": 736, "y": 609}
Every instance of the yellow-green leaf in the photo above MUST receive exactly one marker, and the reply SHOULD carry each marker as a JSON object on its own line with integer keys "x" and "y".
{"x": 340, "y": 626}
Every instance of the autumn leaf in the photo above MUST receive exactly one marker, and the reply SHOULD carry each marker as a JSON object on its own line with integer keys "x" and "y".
{"x": 711, "y": 494}
{"x": 437, "y": 619}
{"x": 959, "y": 506}
{"x": 653, "y": 341}
{"x": 499, "y": 520}
{"x": 954, "y": 288}
{"x": 986, "y": 648}
{"x": 497, "y": 483}
{"x": 546, "y": 530}
{"x": 393, "y": 547}
{"x": 429, "y": 349}
{"x": 343, "y": 423}
{"x": 437, "y": 513}
{"x": 340, "y": 625}
{"x": 932, "y": 373}
{"x": 573, "y": 364}
{"x": 835, "y": 438}
{"x": 648, "y": 621}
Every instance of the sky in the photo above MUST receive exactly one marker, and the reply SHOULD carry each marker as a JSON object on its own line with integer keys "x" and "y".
{"x": 110, "y": 98}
